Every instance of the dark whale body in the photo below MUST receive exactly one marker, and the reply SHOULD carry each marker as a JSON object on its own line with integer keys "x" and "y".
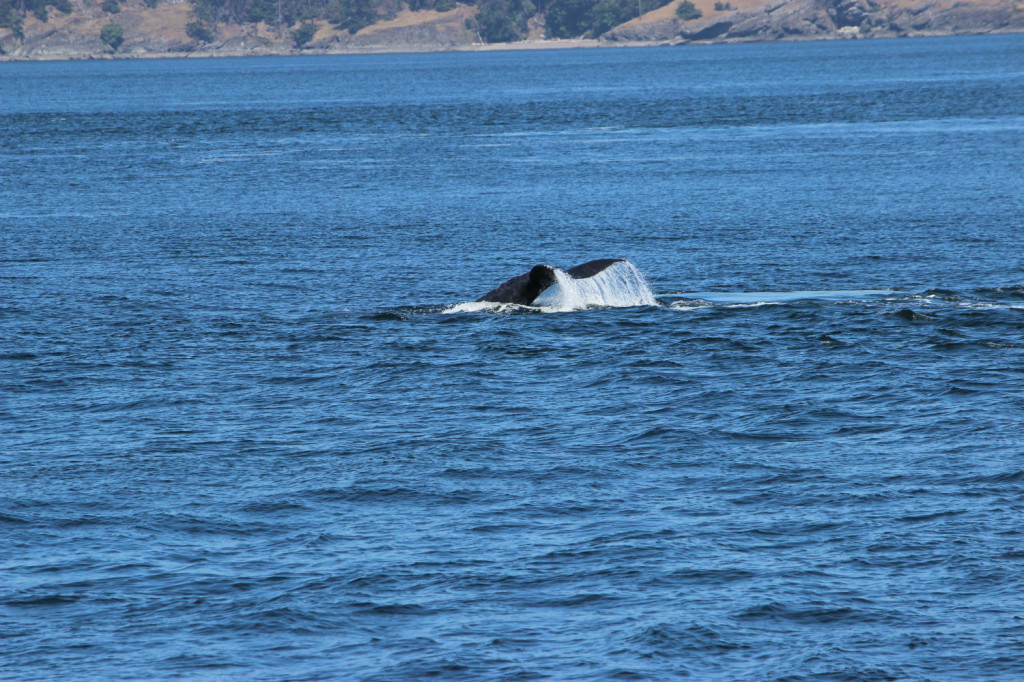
{"x": 524, "y": 288}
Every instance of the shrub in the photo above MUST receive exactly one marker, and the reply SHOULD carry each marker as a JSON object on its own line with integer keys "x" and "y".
{"x": 112, "y": 35}
{"x": 303, "y": 34}
{"x": 111, "y": 6}
{"x": 151, "y": 3}
{"x": 723, "y": 6}
{"x": 200, "y": 31}
{"x": 687, "y": 11}
{"x": 438, "y": 5}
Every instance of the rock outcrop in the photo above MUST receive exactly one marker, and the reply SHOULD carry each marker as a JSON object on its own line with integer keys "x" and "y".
{"x": 829, "y": 19}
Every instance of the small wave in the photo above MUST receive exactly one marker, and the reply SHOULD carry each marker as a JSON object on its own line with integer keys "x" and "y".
{"x": 667, "y": 636}
{"x": 18, "y": 356}
{"x": 1002, "y": 477}
{"x": 815, "y": 613}
{"x": 43, "y": 600}
{"x": 943, "y": 294}
{"x": 931, "y": 516}
{"x": 1012, "y": 291}
{"x": 397, "y": 609}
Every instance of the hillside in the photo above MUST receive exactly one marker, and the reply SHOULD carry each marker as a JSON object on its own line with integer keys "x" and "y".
{"x": 74, "y": 29}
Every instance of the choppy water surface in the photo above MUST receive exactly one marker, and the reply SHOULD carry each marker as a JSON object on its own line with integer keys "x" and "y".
{"x": 248, "y": 432}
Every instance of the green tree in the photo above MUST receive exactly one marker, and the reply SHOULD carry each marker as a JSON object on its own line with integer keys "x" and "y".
{"x": 110, "y": 6}
{"x": 303, "y": 34}
{"x": 112, "y": 35}
{"x": 264, "y": 10}
{"x": 15, "y": 23}
{"x": 439, "y": 5}
{"x": 351, "y": 15}
{"x": 13, "y": 12}
{"x": 590, "y": 19}
{"x": 503, "y": 21}
{"x": 569, "y": 18}
{"x": 201, "y": 31}
{"x": 688, "y": 11}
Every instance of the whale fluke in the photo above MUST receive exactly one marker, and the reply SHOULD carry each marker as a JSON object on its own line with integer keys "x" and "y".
{"x": 591, "y": 268}
{"x": 523, "y": 289}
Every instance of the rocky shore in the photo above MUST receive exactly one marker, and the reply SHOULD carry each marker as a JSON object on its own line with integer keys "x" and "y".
{"x": 832, "y": 19}
{"x": 160, "y": 31}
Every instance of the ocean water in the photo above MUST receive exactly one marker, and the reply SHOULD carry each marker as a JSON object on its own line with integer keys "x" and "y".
{"x": 251, "y": 426}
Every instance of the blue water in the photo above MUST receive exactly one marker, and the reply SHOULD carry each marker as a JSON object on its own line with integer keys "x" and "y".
{"x": 246, "y": 432}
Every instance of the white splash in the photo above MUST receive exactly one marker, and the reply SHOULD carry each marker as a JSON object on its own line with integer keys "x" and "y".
{"x": 620, "y": 285}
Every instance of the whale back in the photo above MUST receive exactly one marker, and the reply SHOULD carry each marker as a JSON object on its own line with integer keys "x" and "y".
{"x": 522, "y": 289}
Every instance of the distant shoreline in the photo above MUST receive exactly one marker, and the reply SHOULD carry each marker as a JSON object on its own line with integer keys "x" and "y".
{"x": 524, "y": 45}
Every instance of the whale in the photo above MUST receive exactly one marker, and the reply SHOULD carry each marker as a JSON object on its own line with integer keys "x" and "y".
{"x": 525, "y": 288}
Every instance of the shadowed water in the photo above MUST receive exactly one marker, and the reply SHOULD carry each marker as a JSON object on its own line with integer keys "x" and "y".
{"x": 248, "y": 429}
